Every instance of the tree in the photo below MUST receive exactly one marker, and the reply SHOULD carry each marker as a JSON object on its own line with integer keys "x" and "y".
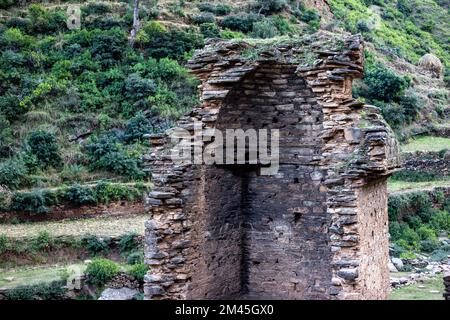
{"x": 136, "y": 23}
{"x": 384, "y": 84}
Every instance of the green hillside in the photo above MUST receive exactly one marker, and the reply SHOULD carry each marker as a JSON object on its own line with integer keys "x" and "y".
{"x": 75, "y": 103}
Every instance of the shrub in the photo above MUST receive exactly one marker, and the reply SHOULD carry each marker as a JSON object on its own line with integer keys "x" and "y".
{"x": 121, "y": 163}
{"x": 270, "y": 6}
{"x": 13, "y": 173}
{"x": 204, "y": 18}
{"x": 96, "y": 8}
{"x": 172, "y": 44}
{"x": 413, "y": 221}
{"x": 311, "y": 17}
{"x": 408, "y": 255}
{"x": 415, "y": 203}
{"x": 177, "y": 8}
{"x": 16, "y": 40}
{"x": 264, "y": 29}
{"x": 23, "y": 24}
{"x": 426, "y": 233}
{"x": 128, "y": 242}
{"x": 44, "y": 146}
{"x": 395, "y": 230}
{"x": 447, "y": 77}
{"x": 137, "y": 87}
{"x": 9, "y": 107}
{"x": 396, "y": 205}
{"x": 210, "y": 30}
{"x": 429, "y": 245}
{"x": 440, "y": 221}
{"x": 105, "y": 22}
{"x": 411, "y": 238}
{"x": 384, "y": 84}
{"x": 33, "y": 202}
{"x": 281, "y": 24}
{"x": 362, "y": 26}
{"x": 404, "y": 7}
{"x": 228, "y": 34}
{"x": 135, "y": 257}
{"x": 414, "y": 176}
{"x": 240, "y": 22}
{"x": 99, "y": 146}
{"x": 420, "y": 202}
{"x": 73, "y": 172}
{"x": 43, "y": 241}
{"x": 5, "y": 4}
{"x": 167, "y": 104}
{"x": 43, "y": 21}
{"x": 80, "y": 195}
{"x": 106, "y": 192}
{"x": 392, "y": 113}
{"x": 411, "y": 105}
{"x": 396, "y": 250}
{"x": 108, "y": 46}
{"x": 100, "y": 271}
{"x": 441, "y": 254}
{"x": 95, "y": 245}
{"x": 138, "y": 271}
{"x": 108, "y": 153}
{"x": 153, "y": 29}
{"x": 219, "y": 9}
{"x": 3, "y": 243}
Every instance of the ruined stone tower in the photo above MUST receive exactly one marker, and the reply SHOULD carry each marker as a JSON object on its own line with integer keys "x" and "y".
{"x": 315, "y": 230}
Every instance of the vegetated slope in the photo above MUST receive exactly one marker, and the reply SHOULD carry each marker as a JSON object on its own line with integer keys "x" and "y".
{"x": 74, "y": 104}
{"x": 398, "y": 34}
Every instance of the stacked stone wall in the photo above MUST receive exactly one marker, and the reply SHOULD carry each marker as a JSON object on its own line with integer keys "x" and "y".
{"x": 314, "y": 230}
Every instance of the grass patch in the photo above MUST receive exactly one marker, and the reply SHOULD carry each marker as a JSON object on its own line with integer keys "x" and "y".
{"x": 420, "y": 291}
{"x": 36, "y": 275}
{"x": 427, "y": 144}
{"x": 397, "y": 186}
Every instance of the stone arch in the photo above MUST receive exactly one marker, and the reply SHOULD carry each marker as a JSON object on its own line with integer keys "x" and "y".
{"x": 210, "y": 236}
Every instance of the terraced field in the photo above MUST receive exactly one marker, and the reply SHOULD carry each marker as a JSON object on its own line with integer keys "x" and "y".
{"x": 106, "y": 227}
{"x": 395, "y": 186}
{"x": 427, "y": 144}
{"x": 36, "y": 275}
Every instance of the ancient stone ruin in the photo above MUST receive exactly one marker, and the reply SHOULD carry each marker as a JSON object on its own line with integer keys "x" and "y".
{"x": 315, "y": 230}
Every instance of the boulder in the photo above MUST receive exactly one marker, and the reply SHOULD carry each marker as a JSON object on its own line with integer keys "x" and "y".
{"x": 392, "y": 268}
{"x": 119, "y": 294}
{"x": 398, "y": 263}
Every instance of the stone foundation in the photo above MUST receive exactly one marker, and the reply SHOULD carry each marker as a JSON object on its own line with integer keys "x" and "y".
{"x": 315, "y": 230}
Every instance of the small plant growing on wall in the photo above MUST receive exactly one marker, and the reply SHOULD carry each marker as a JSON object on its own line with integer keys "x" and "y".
{"x": 100, "y": 271}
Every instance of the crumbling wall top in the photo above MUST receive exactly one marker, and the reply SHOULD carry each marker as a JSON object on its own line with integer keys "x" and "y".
{"x": 314, "y": 52}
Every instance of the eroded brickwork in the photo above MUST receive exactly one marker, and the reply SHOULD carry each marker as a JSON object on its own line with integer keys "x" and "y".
{"x": 315, "y": 230}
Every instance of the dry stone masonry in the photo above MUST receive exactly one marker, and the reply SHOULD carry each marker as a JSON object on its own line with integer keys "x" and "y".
{"x": 315, "y": 230}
